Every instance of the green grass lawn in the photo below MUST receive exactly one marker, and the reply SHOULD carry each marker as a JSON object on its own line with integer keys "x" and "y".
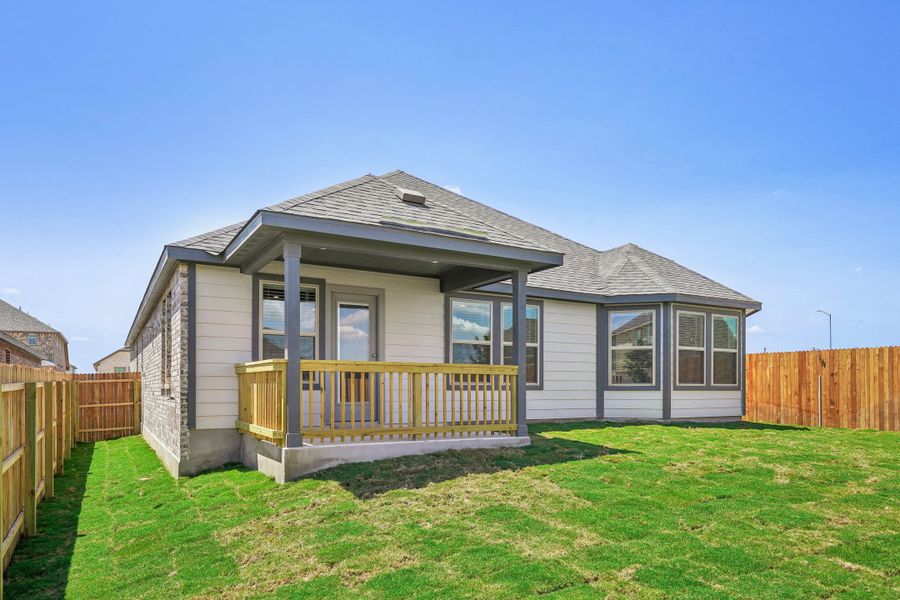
{"x": 587, "y": 510}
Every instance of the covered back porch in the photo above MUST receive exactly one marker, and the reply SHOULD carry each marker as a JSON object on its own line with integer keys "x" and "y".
{"x": 291, "y": 407}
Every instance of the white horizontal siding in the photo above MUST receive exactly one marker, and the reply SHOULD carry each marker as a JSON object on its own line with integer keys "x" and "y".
{"x": 224, "y": 338}
{"x": 570, "y": 368}
{"x": 633, "y": 404}
{"x": 688, "y": 404}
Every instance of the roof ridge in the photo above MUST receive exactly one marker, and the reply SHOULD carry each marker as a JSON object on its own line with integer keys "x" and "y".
{"x": 644, "y": 268}
{"x": 698, "y": 274}
{"x": 323, "y": 192}
{"x": 520, "y": 220}
{"x": 482, "y": 223}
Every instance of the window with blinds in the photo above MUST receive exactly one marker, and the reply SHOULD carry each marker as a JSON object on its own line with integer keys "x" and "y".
{"x": 691, "y": 357}
{"x": 272, "y": 321}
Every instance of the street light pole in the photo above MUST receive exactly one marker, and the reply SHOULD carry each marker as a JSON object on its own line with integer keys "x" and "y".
{"x": 829, "y": 326}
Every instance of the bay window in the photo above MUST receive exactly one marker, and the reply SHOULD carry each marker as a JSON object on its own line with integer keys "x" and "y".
{"x": 725, "y": 350}
{"x": 632, "y": 344}
{"x": 691, "y": 339}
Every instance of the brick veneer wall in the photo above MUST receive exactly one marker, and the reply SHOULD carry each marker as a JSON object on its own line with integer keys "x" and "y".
{"x": 49, "y": 344}
{"x": 165, "y": 407}
{"x": 16, "y": 356}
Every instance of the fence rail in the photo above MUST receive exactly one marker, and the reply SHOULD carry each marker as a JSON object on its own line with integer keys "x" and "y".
{"x": 348, "y": 400}
{"x": 857, "y": 388}
{"x": 42, "y": 413}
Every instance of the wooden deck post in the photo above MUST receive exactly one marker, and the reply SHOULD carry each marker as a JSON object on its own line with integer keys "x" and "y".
{"x": 293, "y": 383}
{"x": 31, "y": 459}
{"x": 519, "y": 282}
{"x": 49, "y": 437}
{"x": 415, "y": 381}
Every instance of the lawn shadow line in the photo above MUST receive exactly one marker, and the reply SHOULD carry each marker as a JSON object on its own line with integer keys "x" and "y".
{"x": 41, "y": 564}
{"x": 368, "y": 480}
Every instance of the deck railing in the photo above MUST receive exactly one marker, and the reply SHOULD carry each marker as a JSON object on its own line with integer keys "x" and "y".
{"x": 343, "y": 401}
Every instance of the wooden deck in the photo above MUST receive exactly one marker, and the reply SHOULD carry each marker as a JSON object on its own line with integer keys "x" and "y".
{"x": 348, "y": 401}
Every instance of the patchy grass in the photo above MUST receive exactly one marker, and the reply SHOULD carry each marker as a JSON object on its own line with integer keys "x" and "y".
{"x": 588, "y": 510}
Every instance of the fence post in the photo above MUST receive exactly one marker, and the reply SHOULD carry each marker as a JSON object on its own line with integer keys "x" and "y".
{"x": 136, "y": 408}
{"x": 49, "y": 437}
{"x": 30, "y": 458}
{"x": 76, "y": 416}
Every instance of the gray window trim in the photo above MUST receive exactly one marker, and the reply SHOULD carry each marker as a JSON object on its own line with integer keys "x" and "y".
{"x": 603, "y": 350}
{"x": 709, "y": 311}
{"x": 496, "y": 329}
{"x": 320, "y": 317}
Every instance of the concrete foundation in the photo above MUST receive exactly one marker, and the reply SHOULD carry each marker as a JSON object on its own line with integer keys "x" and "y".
{"x": 210, "y": 448}
{"x": 286, "y": 464}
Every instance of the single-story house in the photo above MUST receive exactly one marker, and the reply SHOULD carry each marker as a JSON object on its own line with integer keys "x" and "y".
{"x": 386, "y": 315}
{"x": 117, "y": 361}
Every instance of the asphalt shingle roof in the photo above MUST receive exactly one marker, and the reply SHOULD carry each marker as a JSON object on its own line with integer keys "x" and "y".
{"x": 370, "y": 199}
{"x": 13, "y": 319}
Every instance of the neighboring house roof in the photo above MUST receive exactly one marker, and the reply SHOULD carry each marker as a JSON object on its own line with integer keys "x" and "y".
{"x": 15, "y": 319}
{"x": 110, "y": 355}
{"x": 8, "y": 339}
{"x": 627, "y": 270}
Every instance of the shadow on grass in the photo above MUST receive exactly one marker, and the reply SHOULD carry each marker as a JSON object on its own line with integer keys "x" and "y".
{"x": 731, "y": 425}
{"x": 368, "y": 480}
{"x": 40, "y": 564}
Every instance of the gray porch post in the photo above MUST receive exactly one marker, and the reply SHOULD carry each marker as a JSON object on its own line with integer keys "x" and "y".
{"x": 519, "y": 281}
{"x": 291, "y": 253}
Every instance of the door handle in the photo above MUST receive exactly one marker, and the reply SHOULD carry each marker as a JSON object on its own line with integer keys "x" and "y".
{"x": 373, "y": 356}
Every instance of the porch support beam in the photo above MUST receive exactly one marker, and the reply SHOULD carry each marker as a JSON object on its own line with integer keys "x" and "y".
{"x": 292, "y": 390}
{"x": 274, "y": 250}
{"x": 462, "y": 278}
{"x": 519, "y": 282}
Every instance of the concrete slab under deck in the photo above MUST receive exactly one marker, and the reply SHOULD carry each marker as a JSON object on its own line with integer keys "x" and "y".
{"x": 286, "y": 464}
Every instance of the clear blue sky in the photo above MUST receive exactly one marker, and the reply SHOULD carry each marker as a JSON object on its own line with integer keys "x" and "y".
{"x": 758, "y": 144}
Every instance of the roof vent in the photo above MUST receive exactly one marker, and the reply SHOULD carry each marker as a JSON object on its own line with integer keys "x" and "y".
{"x": 411, "y": 196}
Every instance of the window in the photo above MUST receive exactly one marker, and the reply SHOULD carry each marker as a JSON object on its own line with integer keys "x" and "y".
{"x": 532, "y": 340}
{"x": 8, "y": 359}
{"x": 691, "y": 337}
{"x": 165, "y": 346}
{"x": 272, "y": 321}
{"x": 120, "y": 370}
{"x": 32, "y": 339}
{"x": 725, "y": 350}
{"x": 632, "y": 344}
{"x": 470, "y": 331}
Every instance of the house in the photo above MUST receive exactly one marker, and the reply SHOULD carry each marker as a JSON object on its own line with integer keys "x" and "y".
{"x": 14, "y": 352}
{"x": 117, "y": 361}
{"x": 386, "y": 315}
{"x": 36, "y": 334}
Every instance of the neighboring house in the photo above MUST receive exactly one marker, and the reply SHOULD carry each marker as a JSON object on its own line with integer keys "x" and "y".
{"x": 394, "y": 268}
{"x": 36, "y": 334}
{"x": 14, "y": 352}
{"x": 118, "y": 361}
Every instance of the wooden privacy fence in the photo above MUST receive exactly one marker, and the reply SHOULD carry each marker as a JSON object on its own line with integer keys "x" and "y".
{"x": 858, "y": 388}
{"x": 349, "y": 401}
{"x": 37, "y": 433}
{"x": 109, "y": 405}
{"x": 42, "y": 414}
